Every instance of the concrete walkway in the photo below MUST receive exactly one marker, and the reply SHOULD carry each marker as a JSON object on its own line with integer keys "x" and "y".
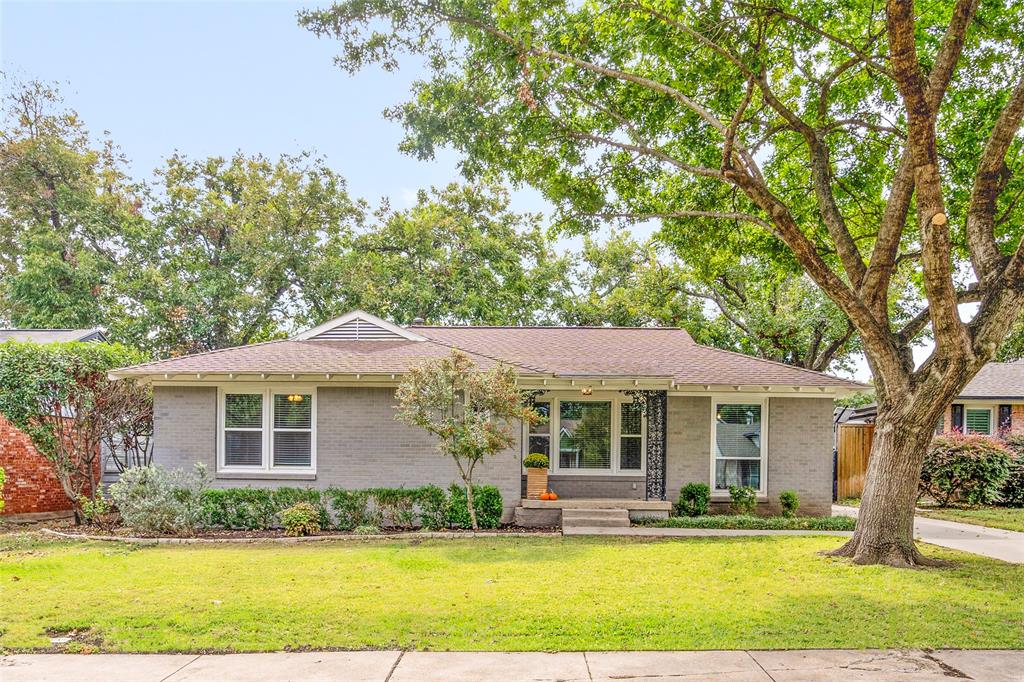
{"x": 419, "y": 666}
{"x": 996, "y": 543}
{"x": 655, "y": 532}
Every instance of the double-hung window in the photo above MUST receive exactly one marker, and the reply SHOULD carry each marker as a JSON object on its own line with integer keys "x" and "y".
{"x": 540, "y": 434}
{"x": 631, "y": 437}
{"x": 268, "y": 430}
{"x": 593, "y": 436}
{"x": 738, "y": 445}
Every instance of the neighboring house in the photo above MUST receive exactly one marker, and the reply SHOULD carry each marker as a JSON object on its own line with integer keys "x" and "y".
{"x": 638, "y": 412}
{"x": 32, "y": 487}
{"x": 991, "y": 404}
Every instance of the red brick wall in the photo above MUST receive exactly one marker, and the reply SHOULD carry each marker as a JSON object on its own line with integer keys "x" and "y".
{"x": 1017, "y": 419}
{"x": 31, "y": 484}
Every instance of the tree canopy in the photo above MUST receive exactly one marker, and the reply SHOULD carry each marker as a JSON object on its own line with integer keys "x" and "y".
{"x": 874, "y": 147}
{"x": 225, "y": 251}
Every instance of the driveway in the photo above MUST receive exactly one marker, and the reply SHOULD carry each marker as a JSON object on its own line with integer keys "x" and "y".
{"x": 836, "y": 665}
{"x": 996, "y": 543}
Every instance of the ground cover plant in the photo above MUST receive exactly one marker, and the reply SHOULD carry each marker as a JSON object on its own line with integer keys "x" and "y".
{"x": 484, "y": 593}
{"x": 747, "y": 522}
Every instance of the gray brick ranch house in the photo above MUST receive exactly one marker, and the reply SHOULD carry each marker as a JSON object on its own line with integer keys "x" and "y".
{"x": 661, "y": 411}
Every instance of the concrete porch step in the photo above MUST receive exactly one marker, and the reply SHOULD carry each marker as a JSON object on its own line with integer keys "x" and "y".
{"x": 573, "y": 513}
{"x": 595, "y": 518}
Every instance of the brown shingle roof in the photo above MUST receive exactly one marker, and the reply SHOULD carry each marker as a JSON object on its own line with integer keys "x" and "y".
{"x": 997, "y": 380}
{"x": 568, "y": 352}
{"x": 303, "y": 357}
{"x": 626, "y": 352}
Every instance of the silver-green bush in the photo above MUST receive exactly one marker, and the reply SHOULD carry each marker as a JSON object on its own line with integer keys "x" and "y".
{"x": 152, "y": 499}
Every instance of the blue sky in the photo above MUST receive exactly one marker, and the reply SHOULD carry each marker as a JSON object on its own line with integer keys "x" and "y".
{"x": 210, "y": 78}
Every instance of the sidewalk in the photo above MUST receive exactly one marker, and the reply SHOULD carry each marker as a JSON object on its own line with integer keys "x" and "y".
{"x": 419, "y": 666}
{"x": 996, "y": 543}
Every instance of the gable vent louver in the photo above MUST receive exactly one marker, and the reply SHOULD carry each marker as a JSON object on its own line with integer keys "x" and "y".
{"x": 358, "y": 330}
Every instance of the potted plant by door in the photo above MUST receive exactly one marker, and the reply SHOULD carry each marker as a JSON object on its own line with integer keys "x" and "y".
{"x": 536, "y": 475}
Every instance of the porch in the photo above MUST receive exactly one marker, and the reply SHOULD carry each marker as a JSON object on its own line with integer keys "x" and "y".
{"x": 589, "y": 512}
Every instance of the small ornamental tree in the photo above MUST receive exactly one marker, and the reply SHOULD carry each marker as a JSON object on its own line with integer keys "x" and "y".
{"x": 60, "y": 395}
{"x": 469, "y": 411}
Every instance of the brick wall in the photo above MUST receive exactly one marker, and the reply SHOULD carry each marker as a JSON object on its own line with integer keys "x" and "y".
{"x": 799, "y": 449}
{"x": 360, "y": 444}
{"x": 1016, "y": 418}
{"x": 31, "y": 485}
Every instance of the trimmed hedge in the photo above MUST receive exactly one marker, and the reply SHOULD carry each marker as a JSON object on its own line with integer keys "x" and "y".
{"x": 486, "y": 501}
{"x": 257, "y": 508}
{"x": 351, "y": 507}
{"x": 429, "y": 507}
{"x": 694, "y": 500}
{"x": 753, "y": 522}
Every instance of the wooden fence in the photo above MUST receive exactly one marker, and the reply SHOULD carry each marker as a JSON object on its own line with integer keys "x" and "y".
{"x": 852, "y": 450}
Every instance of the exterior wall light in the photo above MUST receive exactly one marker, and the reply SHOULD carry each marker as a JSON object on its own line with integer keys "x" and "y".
{"x": 295, "y": 398}
{"x": 587, "y": 390}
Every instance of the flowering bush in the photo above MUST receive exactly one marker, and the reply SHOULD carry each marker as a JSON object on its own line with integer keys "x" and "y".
{"x": 964, "y": 468}
{"x": 1012, "y": 493}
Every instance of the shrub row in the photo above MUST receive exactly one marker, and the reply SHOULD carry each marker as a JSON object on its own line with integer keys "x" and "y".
{"x": 754, "y": 522}
{"x": 155, "y": 500}
{"x": 695, "y": 500}
{"x": 428, "y": 507}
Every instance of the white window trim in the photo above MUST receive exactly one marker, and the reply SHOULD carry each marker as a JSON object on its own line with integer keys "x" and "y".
{"x": 735, "y": 400}
{"x": 617, "y": 400}
{"x": 268, "y": 394}
{"x": 993, "y": 416}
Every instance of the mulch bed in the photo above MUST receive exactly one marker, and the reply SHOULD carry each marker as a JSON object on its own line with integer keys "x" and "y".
{"x": 122, "y": 532}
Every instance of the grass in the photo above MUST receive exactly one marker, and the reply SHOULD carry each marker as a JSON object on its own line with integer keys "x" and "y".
{"x": 754, "y": 522}
{"x": 498, "y": 594}
{"x": 1007, "y": 518}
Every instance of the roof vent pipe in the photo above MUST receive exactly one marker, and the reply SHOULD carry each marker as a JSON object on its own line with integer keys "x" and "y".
{"x": 417, "y": 320}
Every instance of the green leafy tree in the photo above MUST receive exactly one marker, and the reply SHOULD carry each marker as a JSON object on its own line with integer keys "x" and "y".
{"x": 628, "y": 283}
{"x": 1012, "y": 348}
{"x": 231, "y": 245}
{"x": 66, "y": 211}
{"x": 61, "y": 397}
{"x": 751, "y": 307}
{"x": 803, "y": 133}
{"x": 471, "y": 412}
{"x": 459, "y": 256}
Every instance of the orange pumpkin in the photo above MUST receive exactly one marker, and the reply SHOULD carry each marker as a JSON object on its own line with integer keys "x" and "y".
{"x": 545, "y": 496}
{"x": 552, "y": 496}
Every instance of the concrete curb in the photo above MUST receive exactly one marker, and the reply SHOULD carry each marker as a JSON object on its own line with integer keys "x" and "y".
{"x": 289, "y": 541}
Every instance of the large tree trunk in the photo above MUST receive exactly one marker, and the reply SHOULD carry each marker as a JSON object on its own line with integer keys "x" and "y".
{"x": 885, "y": 524}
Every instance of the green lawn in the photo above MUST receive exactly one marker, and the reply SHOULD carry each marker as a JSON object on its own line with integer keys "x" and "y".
{"x": 1009, "y": 518}
{"x": 500, "y": 593}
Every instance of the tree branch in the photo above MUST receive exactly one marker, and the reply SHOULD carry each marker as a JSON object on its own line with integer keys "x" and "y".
{"x": 989, "y": 182}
